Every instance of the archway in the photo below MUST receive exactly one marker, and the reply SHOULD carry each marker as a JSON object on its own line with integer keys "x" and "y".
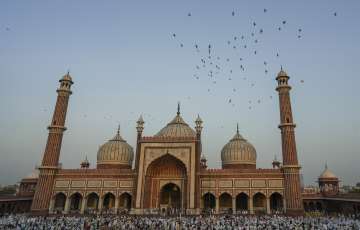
{"x": 125, "y": 201}
{"x": 60, "y": 200}
{"x": 312, "y": 206}
{"x": 209, "y": 202}
{"x": 170, "y": 196}
{"x": 242, "y": 201}
{"x": 259, "y": 201}
{"x": 109, "y": 201}
{"x": 75, "y": 202}
{"x": 92, "y": 201}
{"x": 276, "y": 202}
{"x": 318, "y": 206}
{"x": 225, "y": 202}
{"x": 166, "y": 167}
{"x": 306, "y": 207}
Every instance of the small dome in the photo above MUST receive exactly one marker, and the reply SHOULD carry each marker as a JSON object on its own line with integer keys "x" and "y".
{"x": 327, "y": 174}
{"x": 66, "y": 77}
{"x": 282, "y": 73}
{"x": 33, "y": 175}
{"x": 238, "y": 153}
{"x": 85, "y": 163}
{"x": 115, "y": 153}
{"x": 176, "y": 128}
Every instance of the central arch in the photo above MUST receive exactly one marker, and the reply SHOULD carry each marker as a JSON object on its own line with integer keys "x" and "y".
{"x": 162, "y": 176}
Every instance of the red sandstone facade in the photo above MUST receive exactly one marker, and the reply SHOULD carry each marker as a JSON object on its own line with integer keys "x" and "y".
{"x": 170, "y": 173}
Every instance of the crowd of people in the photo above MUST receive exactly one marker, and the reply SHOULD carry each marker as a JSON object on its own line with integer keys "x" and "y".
{"x": 223, "y": 222}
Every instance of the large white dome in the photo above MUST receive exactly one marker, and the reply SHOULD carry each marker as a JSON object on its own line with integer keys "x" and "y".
{"x": 238, "y": 153}
{"x": 176, "y": 128}
{"x": 115, "y": 153}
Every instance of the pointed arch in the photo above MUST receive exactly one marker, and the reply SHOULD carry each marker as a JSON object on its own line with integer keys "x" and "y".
{"x": 125, "y": 201}
{"x": 60, "y": 200}
{"x": 109, "y": 201}
{"x": 242, "y": 202}
{"x": 75, "y": 202}
{"x": 165, "y": 169}
{"x": 92, "y": 201}
{"x": 276, "y": 202}
{"x": 225, "y": 202}
{"x": 259, "y": 202}
{"x": 209, "y": 201}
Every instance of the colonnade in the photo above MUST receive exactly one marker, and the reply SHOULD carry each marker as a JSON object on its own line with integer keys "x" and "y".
{"x": 243, "y": 203}
{"x": 90, "y": 203}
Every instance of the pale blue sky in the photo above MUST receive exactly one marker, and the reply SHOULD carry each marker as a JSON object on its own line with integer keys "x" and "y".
{"x": 124, "y": 62}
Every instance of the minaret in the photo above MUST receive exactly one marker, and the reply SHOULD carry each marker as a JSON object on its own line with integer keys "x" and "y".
{"x": 198, "y": 150}
{"x": 139, "y": 128}
{"x": 50, "y": 162}
{"x": 291, "y": 167}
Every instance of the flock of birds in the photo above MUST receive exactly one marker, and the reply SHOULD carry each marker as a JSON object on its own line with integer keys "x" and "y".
{"x": 215, "y": 67}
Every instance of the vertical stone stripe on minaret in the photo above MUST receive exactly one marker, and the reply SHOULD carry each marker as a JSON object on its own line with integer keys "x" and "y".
{"x": 291, "y": 168}
{"x": 50, "y": 162}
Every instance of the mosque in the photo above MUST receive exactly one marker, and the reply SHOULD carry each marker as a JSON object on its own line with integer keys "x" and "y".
{"x": 167, "y": 171}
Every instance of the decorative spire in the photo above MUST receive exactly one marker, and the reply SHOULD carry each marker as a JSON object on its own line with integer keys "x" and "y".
{"x": 198, "y": 123}
{"x": 281, "y": 67}
{"x": 326, "y": 166}
{"x": 140, "y": 124}
{"x": 118, "y": 130}
{"x": 178, "y": 109}
{"x": 237, "y": 128}
{"x": 117, "y": 137}
{"x": 85, "y": 163}
{"x": 140, "y": 120}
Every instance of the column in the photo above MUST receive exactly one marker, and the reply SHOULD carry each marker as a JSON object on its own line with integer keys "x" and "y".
{"x": 284, "y": 205}
{"x": 83, "y": 205}
{"x": 234, "y": 205}
{"x": 51, "y": 207}
{"x": 116, "y": 204}
{"x": 268, "y": 205}
{"x": 217, "y": 205}
{"x": 100, "y": 205}
{"x": 67, "y": 206}
{"x": 251, "y": 206}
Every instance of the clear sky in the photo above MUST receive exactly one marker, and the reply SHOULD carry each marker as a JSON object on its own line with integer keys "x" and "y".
{"x": 125, "y": 61}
